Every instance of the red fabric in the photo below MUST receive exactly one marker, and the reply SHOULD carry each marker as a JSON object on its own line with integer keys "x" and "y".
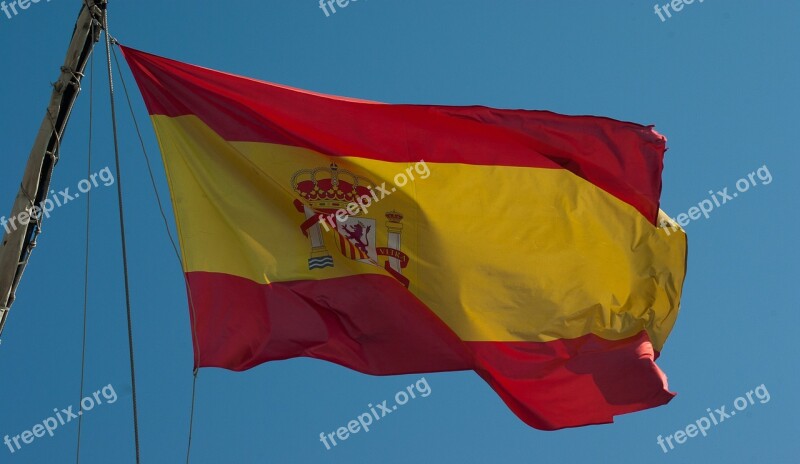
{"x": 568, "y": 383}
{"x": 372, "y": 324}
{"x": 622, "y": 158}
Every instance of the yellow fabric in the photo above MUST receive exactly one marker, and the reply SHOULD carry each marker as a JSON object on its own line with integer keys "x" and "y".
{"x": 498, "y": 253}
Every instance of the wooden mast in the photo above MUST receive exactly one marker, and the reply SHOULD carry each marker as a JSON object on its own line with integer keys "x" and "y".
{"x": 19, "y": 242}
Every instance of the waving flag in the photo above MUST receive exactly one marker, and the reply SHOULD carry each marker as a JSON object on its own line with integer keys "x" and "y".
{"x": 395, "y": 239}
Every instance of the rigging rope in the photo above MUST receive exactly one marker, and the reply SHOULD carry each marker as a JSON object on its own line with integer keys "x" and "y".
{"x": 86, "y": 268}
{"x": 191, "y": 416}
{"x": 122, "y": 235}
{"x": 174, "y": 247}
{"x": 147, "y": 159}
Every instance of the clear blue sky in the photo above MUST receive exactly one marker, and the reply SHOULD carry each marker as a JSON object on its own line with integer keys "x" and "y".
{"x": 719, "y": 79}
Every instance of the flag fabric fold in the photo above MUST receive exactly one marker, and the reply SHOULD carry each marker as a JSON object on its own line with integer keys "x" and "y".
{"x": 398, "y": 239}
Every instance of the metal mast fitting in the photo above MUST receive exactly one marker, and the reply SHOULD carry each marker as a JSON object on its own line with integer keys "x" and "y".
{"x": 18, "y": 243}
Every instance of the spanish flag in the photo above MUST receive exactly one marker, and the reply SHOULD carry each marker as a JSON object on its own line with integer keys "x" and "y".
{"x": 527, "y": 246}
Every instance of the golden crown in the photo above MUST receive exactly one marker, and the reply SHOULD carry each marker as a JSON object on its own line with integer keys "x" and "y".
{"x": 394, "y": 216}
{"x": 330, "y": 189}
